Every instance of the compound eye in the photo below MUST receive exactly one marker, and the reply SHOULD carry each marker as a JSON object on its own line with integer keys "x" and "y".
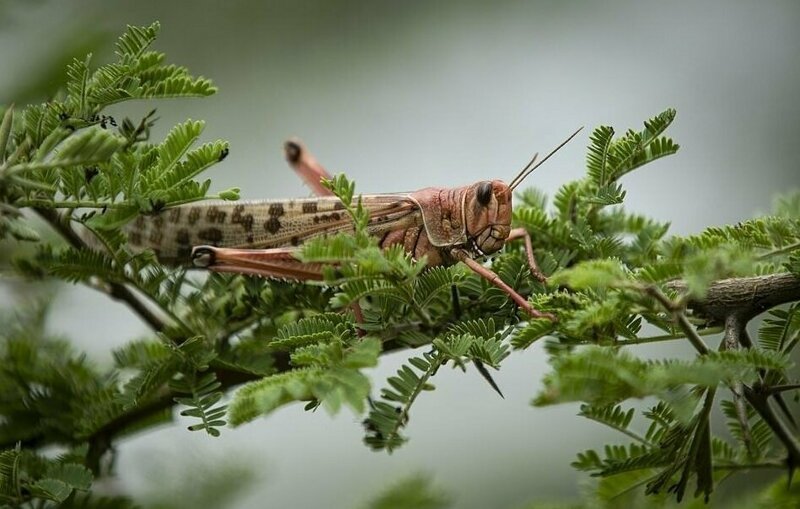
{"x": 484, "y": 193}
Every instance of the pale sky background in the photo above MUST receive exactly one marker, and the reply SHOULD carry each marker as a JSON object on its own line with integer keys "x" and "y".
{"x": 404, "y": 95}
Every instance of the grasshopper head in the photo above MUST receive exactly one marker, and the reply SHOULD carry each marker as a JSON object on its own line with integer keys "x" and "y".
{"x": 488, "y": 215}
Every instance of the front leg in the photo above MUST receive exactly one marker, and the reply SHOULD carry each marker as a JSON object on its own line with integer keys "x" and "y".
{"x": 522, "y": 233}
{"x": 494, "y": 279}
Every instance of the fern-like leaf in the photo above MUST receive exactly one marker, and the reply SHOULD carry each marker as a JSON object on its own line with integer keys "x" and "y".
{"x": 204, "y": 394}
{"x": 612, "y": 416}
{"x": 90, "y": 146}
{"x": 597, "y": 155}
{"x": 132, "y": 44}
{"x": 388, "y": 416}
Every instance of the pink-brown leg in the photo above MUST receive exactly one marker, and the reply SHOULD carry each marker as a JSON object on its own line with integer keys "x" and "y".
{"x": 277, "y": 263}
{"x": 496, "y": 281}
{"x": 311, "y": 171}
{"x": 522, "y": 233}
{"x": 307, "y": 167}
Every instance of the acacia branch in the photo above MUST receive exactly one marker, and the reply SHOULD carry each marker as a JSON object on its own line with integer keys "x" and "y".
{"x": 760, "y": 403}
{"x": 731, "y": 341}
{"x": 741, "y": 295}
{"x": 680, "y": 318}
{"x": 744, "y": 294}
{"x": 736, "y": 337}
{"x": 115, "y": 290}
{"x": 735, "y": 301}
{"x": 745, "y": 297}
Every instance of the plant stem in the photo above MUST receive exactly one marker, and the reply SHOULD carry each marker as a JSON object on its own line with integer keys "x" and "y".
{"x": 775, "y": 389}
{"x": 751, "y": 466}
{"x": 116, "y": 290}
{"x": 680, "y": 318}
{"x": 760, "y": 400}
{"x": 761, "y": 405}
{"x": 624, "y": 431}
{"x": 782, "y": 250}
{"x": 423, "y": 380}
{"x": 731, "y": 342}
{"x": 694, "y": 448}
{"x": 421, "y": 313}
{"x": 47, "y": 204}
{"x": 710, "y": 331}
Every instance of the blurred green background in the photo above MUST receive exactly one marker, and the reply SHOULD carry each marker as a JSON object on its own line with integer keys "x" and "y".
{"x": 404, "y": 95}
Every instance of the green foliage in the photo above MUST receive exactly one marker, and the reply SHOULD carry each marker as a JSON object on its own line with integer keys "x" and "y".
{"x": 410, "y": 493}
{"x": 202, "y": 403}
{"x": 329, "y": 375}
{"x": 64, "y": 153}
{"x": 26, "y": 477}
{"x": 385, "y": 420}
{"x": 604, "y": 376}
{"x": 477, "y": 341}
{"x": 615, "y": 276}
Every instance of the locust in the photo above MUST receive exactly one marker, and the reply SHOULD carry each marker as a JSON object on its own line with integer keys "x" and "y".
{"x": 445, "y": 225}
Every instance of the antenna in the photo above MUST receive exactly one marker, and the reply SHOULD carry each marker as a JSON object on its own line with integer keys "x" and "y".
{"x": 528, "y": 169}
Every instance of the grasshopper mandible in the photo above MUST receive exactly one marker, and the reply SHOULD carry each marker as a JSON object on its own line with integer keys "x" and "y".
{"x": 447, "y": 225}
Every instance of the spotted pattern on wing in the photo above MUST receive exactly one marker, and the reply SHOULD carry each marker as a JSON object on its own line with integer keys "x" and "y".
{"x": 261, "y": 224}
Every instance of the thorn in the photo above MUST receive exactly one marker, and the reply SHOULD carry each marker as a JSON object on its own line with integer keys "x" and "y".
{"x": 456, "y": 301}
{"x": 785, "y": 409}
{"x": 487, "y": 376}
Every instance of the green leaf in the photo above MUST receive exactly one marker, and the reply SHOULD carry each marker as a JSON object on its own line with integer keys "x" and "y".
{"x": 73, "y": 475}
{"x": 608, "y": 194}
{"x": 315, "y": 329}
{"x": 410, "y": 493}
{"x": 17, "y": 228}
{"x": 332, "y": 376}
{"x": 264, "y": 396}
{"x": 9, "y": 471}
{"x": 592, "y": 274}
{"x": 51, "y": 489}
{"x": 5, "y": 131}
{"x": 637, "y": 149}
{"x": 612, "y": 416}
{"x": 90, "y": 146}
{"x": 77, "y": 85}
{"x": 114, "y": 218}
{"x": 388, "y": 416}
{"x": 203, "y": 392}
{"x": 132, "y": 44}
{"x": 597, "y": 156}
{"x": 781, "y": 494}
{"x": 613, "y": 488}
{"x": 176, "y": 144}
{"x": 231, "y": 194}
{"x": 363, "y": 354}
{"x": 532, "y": 332}
{"x": 602, "y": 376}
{"x": 702, "y": 268}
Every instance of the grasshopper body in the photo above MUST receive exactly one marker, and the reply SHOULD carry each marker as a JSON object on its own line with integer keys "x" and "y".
{"x": 446, "y": 225}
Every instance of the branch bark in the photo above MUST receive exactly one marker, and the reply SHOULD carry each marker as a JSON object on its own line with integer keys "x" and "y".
{"x": 734, "y": 302}
{"x": 744, "y": 297}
